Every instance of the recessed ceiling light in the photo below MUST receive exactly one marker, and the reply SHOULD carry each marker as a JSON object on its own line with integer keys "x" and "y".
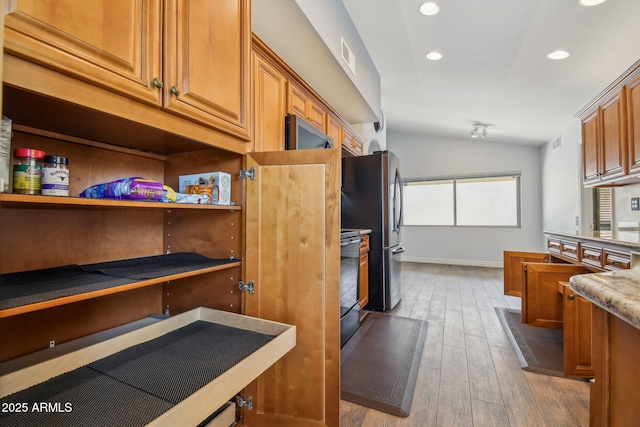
{"x": 430, "y": 8}
{"x": 434, "y": 56}
{"x": 558, "y": 54}
{"x": 587, "y": 3}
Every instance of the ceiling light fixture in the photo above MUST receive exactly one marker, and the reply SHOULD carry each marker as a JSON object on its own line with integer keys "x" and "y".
{"x": 479, "y": 130}
{"x": 587, "y": 3}
{"x": 429, "y": 8}
{"x": 434, "y": 56}
{"x": 558, "y": 54}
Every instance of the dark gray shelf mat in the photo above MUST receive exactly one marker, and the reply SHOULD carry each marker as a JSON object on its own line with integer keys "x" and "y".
{"x": 92, "y": 399}
{"x": 136, "y": 385}
{"x": 30, "y": 287}
{"x": 156, "y": 266}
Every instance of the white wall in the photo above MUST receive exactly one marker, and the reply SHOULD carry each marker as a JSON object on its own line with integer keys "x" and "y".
{"x": 561, "y": 182}
{"x": 432, "y": 156}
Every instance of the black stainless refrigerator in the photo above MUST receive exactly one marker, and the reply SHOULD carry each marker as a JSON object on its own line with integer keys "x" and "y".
{"x": 372, "y": 198}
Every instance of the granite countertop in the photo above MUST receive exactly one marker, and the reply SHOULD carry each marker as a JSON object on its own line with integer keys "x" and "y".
{"x": 626, "y": 238}
{"x": 617, "y": 292}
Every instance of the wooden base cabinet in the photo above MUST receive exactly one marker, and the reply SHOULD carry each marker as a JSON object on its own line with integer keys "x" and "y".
{"x": 576, "y": 315}
{"x": 541, "y": 303}
{"x": 513, "y": 271}
{"x": 614, "y": 389}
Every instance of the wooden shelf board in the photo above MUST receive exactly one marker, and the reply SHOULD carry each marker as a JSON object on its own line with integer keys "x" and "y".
{"x": 10, "y": 200}
{"x": 14, "y": 311}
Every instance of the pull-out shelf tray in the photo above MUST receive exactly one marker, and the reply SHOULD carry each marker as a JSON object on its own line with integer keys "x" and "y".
{"x": 138, "y": 360}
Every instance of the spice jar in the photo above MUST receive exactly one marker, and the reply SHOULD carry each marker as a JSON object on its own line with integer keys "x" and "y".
{"x": 55, "y": 176}
{"x": 27, "y": 170}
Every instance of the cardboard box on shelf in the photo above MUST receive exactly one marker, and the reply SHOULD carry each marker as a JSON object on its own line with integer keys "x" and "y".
{"x": 218, "y": 184}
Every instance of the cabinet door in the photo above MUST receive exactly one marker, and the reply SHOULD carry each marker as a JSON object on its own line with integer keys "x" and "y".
{"x": 207, "y": 62}
{"x": 541, "y": 302}
{"x": 590, "y": 148}
{"x": 334, "y": 130}
{"x": 317, "y": 115}
{"x": 614, "y": 137}
{"x": 364, "y": 271}
{"x": 512, "y": 269}
{"x": 115, "y": 44}
{"x": 293, "y": 257}
{"x": 576, "y": 334}
{"x": 270, "y": 105}
{"x": 297, "y": 101}
{"x": 633, "y": 124}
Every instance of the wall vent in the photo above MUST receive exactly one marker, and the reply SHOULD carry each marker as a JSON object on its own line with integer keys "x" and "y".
{"x": 348, "y": 56}
{"x": 557, "y": 143}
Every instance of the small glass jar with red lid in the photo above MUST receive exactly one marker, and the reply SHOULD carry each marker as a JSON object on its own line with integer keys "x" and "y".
{"x": 27, "y": 170}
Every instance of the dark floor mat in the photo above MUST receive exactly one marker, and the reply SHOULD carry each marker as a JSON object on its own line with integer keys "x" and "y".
{"x": 537, "y": 349}
{"x": 379, "y": 363}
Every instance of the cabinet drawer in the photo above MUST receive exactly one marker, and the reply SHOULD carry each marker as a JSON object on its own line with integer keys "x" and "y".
{"x": 614, "y": 260}
{"x": 198, "y": 405}
{"x": 569, "y": 249}
{"x": 553, "y": 245}
{"x": 364, "y": 244}
{"x": 591, "y": 256}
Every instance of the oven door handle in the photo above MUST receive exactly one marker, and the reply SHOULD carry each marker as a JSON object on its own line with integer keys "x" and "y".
{"x": 349, "y": 242}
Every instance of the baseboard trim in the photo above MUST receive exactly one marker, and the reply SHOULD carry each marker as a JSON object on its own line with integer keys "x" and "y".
{"x": 465, "y": 262}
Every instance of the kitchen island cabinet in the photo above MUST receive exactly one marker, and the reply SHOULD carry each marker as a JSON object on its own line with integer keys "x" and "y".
{"x": 576, "y": 337}
{"x": 616, "y": 342}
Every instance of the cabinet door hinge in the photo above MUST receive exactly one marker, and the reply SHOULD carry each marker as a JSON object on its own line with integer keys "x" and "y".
{"x": 246, "y": 286}
{"x": 251, "y": 173}
{"x": 240, "y": 402}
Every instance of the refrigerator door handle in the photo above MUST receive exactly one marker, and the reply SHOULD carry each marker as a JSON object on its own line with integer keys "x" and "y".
{"x": 397, "y": 250}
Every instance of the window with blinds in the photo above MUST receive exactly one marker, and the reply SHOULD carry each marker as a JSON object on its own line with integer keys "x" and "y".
{"x": 481, "y": 201}
{"x": 602, "y": 209}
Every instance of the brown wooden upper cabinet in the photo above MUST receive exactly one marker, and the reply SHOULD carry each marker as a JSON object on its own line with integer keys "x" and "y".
{"x": 188, "y": 57}
{"x": 352, "y": 142}
{"x": 334, "y": 130}
{"x": 269, "y": 103}
{"x": 307, "y": 107}
{"x": 633, "y": 124}
{"x": 604, "y": 141}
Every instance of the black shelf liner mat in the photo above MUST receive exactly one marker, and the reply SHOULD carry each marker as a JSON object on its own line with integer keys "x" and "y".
{"x": 156, "y": 266}
{"x": 159, "y": 366}
{"x": 30, "y": 287}
{"x": 136, "y": 385}
{"x": 95, "y": 400}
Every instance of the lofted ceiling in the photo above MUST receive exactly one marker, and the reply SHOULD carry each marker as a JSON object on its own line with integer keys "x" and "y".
{"x": 494, "y": 70}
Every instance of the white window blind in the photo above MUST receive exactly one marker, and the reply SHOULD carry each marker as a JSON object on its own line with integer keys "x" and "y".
{"x": 489, "y": 201}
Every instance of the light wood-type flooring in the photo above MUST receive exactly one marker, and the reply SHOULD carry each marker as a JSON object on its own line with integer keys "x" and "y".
{"x": 468, "y": 375}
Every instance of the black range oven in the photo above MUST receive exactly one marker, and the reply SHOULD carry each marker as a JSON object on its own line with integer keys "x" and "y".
{"x": 349, "y": 284}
